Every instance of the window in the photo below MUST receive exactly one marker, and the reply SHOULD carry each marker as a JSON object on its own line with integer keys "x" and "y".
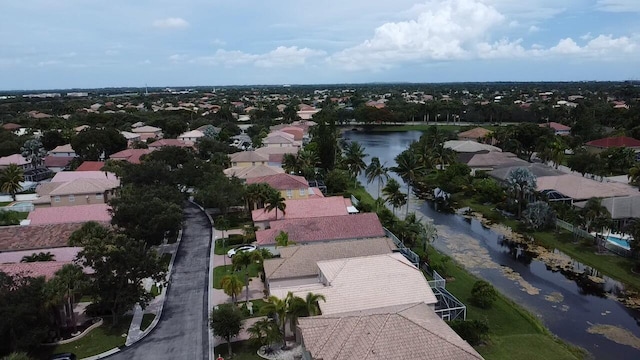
{"x": 253, "y": 163}
{"x": 72, "y": 198}
{"x": 56, "y": 199}
{"x": 303, "y": 192}
{"x": 98, "y": 196}
{"x": 289, "y": 194}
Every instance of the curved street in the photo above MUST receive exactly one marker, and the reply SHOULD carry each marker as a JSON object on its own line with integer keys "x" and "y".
{"x": 182, "y": 332}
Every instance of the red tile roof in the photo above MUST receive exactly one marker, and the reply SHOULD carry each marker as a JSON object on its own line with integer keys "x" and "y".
{"x": 91, "y": 166}
{"x": 306, "y": 208}
{"x": 57, "y": 161}
{"x": 131, "y": 155}
{"x": 297, "y": 132}
{"x": 281, "y": 181}
{"x": 620, "y": 141}
{"x": 70, "y": 214}
{"x": 34, "y": 269}
{"x": 36, "y": 236}
{"x": 328, "y": 228}
{"x": 556, "y": 126}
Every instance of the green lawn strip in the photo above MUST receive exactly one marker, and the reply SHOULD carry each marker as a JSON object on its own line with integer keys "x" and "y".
{"x": 99, "y": 340}
{"x": 242, "y": 350}
{"x": 165, "y": 260}
{"x": 526, "y": 346}
{"x": 616, "y": 267}
{"x": 5, "y": 203}
{"x": 257, "y": 305}
{"x": 219, "y": 250}
{"x": 220, "y": 271}
{"x": 147, "y": 319}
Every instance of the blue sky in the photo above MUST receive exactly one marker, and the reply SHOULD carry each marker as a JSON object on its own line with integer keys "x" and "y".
{"x": 77, "y": 43}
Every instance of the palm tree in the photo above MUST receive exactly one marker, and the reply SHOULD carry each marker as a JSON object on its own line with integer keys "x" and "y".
{"x": 282, "y": 239}
{"x": 41, "y": 256}
{"x": 521, "y": 181}
{"x": 232, "y": 286}
{"x": 376, "y": 171}
{"x": 33, "y": 151}
{"x": 10, "y": 179}
{"x": 277, "y": 307}
{"x": 394, "y": 196}
{"x": 276, "y": 202}
{"x": 354, "y": 159}
{"x": 256, "y": 195}
{"x": 409, "y": 169}
{"x": 556, "y": 151}
{"x": 242, "y": 261}
{"x": 311, "y": 301}
{"x": 307, "y": 160}
{"x": 290, "y": 164}
{"x": 594, "y": 212}
{"x": 634, "y": 174}
{"x": 296, "y": 308}
{"x": 68, "y": 280}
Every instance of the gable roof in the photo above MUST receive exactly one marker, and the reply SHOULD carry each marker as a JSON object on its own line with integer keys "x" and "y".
{"x": 556, "y": 126}
{"x": 328, "y": 228}
{"x": 281, "y": 181}
{"x": 248, "y": 156}
{"x": 354, "y": 284}
{"x": 130, "y": 155}
{"x": 278, "y": 139}
{"x": 383, "y": 334}
{"x": 34, "y": 269}
{"x": 36, "y": 236}
{"x": 306, "y": 208}
{"x": 297, "y": 132}
{"x": 70, "y": 214}
{"x": 626, "y": 207}
{"x": 13, "y": 159}
{"x": 582, "y": 188}
{"x": 191, "y": 134}
{"x": 57, "y": 161}
{"x": 145, "y": 129}
{"x": 247, "y": 172}
{"x": 493, "y": 159}
{"x": 84, "y": 186}
{"x": 469, "y": 146}
{"x": 129, "y": 135}
{"x": 91, "y": 166}
{"x": 171, "y": 142}
{"x": 475, "y": 133}
{"x": 620, "y": 141}
{"x": 65, "y": 176}
{"x": 63, "y": 149}
{"x": 300, "y": 260}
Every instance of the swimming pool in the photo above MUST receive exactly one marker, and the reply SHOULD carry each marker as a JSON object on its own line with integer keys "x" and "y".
{"x": 618, "y": 242}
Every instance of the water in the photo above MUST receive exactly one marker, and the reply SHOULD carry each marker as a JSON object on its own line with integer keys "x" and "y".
{"x": 568, "y": 305}
{"x": 619, "y": 242}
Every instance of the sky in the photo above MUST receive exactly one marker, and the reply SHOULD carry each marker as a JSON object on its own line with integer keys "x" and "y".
{"x": 62, "y": 44}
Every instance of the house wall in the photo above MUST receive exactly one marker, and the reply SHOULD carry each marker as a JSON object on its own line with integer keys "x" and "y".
{"x": 65, "y": 154}
{"x": 279, "y": 145}
{"x": 291, "y": 282}
{"x": 243, "y": 164}
{"x": 79, "y": 199}
{"x": 295, "y": 194}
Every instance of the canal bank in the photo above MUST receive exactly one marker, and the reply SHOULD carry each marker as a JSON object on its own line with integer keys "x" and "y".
{"x": 590, "y": 319}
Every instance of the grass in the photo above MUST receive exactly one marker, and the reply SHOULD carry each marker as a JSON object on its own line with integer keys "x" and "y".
{"x": 242, "y": 350}
{"x": 147, "y": 319}
{"x": 154, "y": 290}
{"x": 220, "y": 271}
{"x": 165, "y": 260}
{"x": 257, "y": 306}
{"x": 613, "y": 266}
{"x": 5, "y": 203}
{"x": 99, "y": 340}
{"x": 514, "y": 332}
{"x": 219, "y": 250}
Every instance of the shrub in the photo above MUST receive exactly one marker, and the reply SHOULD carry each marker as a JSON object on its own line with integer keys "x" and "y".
{"x": 483, "y": 294}
{"x": 539, "y": 215}
{"x": 235, "y": 239}
{"x": 473, "y": 331}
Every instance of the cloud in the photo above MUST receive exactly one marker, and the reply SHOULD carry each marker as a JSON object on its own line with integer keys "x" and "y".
{"x": 533, "y": 29}
{"x": 218, "y": 42}
{"x": 171, "y": 23}
{"x": 281, "y": 56}
{"x": 48, "y": 63}
{"x": 178, "y": 58}
{"x": 618, "y": 5}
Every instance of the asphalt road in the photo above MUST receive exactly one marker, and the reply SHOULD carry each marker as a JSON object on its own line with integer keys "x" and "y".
{"x": 181, "y": 332}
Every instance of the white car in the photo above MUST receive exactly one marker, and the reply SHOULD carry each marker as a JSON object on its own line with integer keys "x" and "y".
{"x": 239, "y": 249}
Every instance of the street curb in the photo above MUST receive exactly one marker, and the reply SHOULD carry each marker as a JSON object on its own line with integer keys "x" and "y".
{"x": 158, "y": 315}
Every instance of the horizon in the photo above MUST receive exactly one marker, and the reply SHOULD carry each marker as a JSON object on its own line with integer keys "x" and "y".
{"x": 75, "y": 45}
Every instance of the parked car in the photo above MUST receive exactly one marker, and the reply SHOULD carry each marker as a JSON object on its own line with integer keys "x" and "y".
{"x": 64, "y": 356}
{"x": 239, "y": 249}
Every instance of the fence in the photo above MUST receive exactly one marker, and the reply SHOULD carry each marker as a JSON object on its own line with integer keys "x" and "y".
{"x": 408, "y": 253}
{"x": 574, "y": 229}
{"x": 354, "y": 201}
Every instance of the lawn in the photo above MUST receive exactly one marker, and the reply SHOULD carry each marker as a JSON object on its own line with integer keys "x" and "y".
{"x": 257, "y": 305}
{"x": 5, "y": 203}
{"x": 147, "y": 319}
{"x": 219, "y": 250}
{"x": 165, "y": 260}
{"x": 616, "y": 267}
{"x": 220, "y": 271}
{"x": 99, "y": 340}
{"x": 242, "y": 350}
{"x": 514, "y": 332}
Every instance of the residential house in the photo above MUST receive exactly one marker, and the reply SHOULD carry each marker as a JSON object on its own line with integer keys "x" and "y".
{"x": 276, "y": 154}
{"x": 290, "y": 186}
{"x": 322, "y": 229}
{"x": 90, "y": 166}
{"x": 248, "y": 172}
{"x": 16, "y": 159}
{"x": 478, "y": 134}
{"x": 599, "y": 145}
{"x": 297, "y": 132}
{"x": 624, "y": 210}
{"x": 575, "y": 188}
{"x": 63, "y": 151}
{"x": 490, "y": 160}
{"x": 70, "y": 214}
{"x": 279, "y": 139}
{"x": 147, "y": 132}
{"x": 73, "y": 188}
{"x": 402, "y": 332}
{"x": 365, "y": 283}
{"x": 57, "y": 163}
{"x": 305, "y": 208}
{"x": 170, "y": 142}
{"x": 36, "y": 236}
{"x": 468, "y": 146}
{"x": 130, "y": 136}
{"x": 247, "y": 158}
{"x": 297, "y": 263}
{"x": 558, "y": 129}
{"x": 191, "y": 136}
{"x": 11, "y": 127}
{"x": 130, "y": 155}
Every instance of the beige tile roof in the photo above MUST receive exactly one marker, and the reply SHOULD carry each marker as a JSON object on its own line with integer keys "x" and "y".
{"x": 273, "y": 150}
{"x": 84, "y": 186}
{"x": 355, "y": 284}
{"x": 404, "y": 333}
{"x": 300, "y": 260}
{"x": 248, "y": 156}
{"x": 248, "y": 172}
{"x": 306, "y": 208}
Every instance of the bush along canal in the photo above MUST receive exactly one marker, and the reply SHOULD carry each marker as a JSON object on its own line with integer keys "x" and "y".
{"x": 576, "y": 303}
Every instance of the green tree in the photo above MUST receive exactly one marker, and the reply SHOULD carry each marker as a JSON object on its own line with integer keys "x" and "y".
{"x": 256, "y": 195}
{"x": 325, "y": 137}
{"x": 17, "y": 356}
{"x": 226, "y": 322}
{"x": 10, "y": 179}
{"x": 290, "y": 164}
{"x": 393, "y": 195}
{"x": 475, "y": 332}
{"x": 53, "y": 138}
{"x": 595, "y": 214}
{"x": 68, "y": 281}
{"x": 633, "y": 175}
{"x": 539, "y": 215}
{"x": 265, "y": 332}
{"x": 95, "y": 144}
{"x": 337, "y": 181}
{"x": 276, "y": 202}
{"x": 354, "y": 159}
{"x": 242, "y": 261}
{"x": 33, "y": 151}
{"x": 89, "y": 230}
{"x": 409, "y": 169}
{"x": 120, "y": 264}
{"x": 376, "y": 171}
{"x": 221, "y": 193}
{"x": 282, "y": 239}
{"x": 278, "y": 307}
{"x": 311, "y": 304}
{"x": 521, "y": 182}
{"x": 232, "y": 286}
{"x": 483, "y": 294}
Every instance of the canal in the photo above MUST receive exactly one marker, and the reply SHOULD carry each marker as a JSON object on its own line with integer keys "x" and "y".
{"x": 576, "y": 311}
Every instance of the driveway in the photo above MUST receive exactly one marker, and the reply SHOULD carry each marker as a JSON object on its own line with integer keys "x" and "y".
{"x": 182, "y": 331}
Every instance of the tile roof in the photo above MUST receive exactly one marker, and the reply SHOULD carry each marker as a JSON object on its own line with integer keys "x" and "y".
{"x": 281, "y": 181}
{"x": 401, "y": 333}
{"x": 129, "y": 135}
{"x": 65, "y": 176}
{"x": 328, "y": 228}
{"x": 84, "y": 186}
{"x": 306, "y": 208}
{"x": 494, "y": 159}
{"x": 248, "y": 172}
{"x": 475, "y": 133}
{"x": 11, "y": 126}
{"x": 315, "y": 193}
{"x": 34, "y": 269}
{"x": 300, "y": 260}
{"x": 248, "y": 156}
{"x": 70, "y": 214}
{"x": 171, "y": 142}
{"x": 191, "y": 134}
{"x": 130, "y": 155}
{"x": 582, "y": 188}
{"x": 469, "y": 146}
{"x": 272, "y": 150}
{"x": 145, "y": 129}
{"x": 13, "y": 159}
{"x": 60, "y": 254}
{"x": 278, "y": 139}
{"x": 91, "y": 166}
{"x": 36, "y": 236}
{"x": 297, "y": 132}
{"x": 57, "y": 161}
{"x": 63, "y": 149}
{"x": 355, "y": 284}
{"x": 538, "y": 170}
{"x": 556, "y": 126}
{"x": 620, "y": 141}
